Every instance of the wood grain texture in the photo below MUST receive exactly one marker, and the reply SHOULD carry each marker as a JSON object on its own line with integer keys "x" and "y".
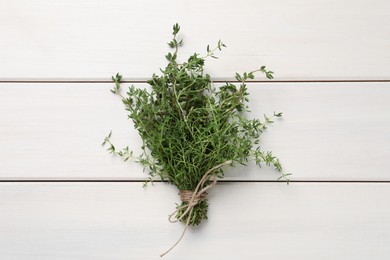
{"x": 329, "y": 131}
{"x": 299, "y": 39}
{"x": 246, "y": 221}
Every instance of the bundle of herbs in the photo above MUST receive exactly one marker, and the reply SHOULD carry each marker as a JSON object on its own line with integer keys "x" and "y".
{"x": 191, "y": 130}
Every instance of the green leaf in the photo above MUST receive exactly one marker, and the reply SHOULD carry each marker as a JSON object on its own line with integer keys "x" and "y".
{"x": 176, "y": 29}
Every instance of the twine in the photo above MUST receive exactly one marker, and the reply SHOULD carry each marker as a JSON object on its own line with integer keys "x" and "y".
{"x": 192, "y": 198}
{"x": 185, "y": 196}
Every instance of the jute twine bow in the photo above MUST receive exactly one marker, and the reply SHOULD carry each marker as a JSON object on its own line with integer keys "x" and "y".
{"x": 192, "y": 198}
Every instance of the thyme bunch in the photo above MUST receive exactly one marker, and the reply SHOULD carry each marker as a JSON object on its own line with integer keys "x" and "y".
{"x": 188, "y": 126}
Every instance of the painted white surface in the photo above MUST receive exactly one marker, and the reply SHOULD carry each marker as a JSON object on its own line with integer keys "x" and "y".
{"x": 246, "y": 221}
{"x": 299, "y": 39}
{"x": 330, "y": 131}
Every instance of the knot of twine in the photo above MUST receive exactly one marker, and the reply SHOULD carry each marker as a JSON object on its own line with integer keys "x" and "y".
{"x": 192, "y": 198}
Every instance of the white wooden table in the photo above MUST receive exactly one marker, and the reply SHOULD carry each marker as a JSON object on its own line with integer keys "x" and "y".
{"x": 63, "y": 197}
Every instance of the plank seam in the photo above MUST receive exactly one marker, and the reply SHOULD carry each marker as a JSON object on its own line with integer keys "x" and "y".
{"x": 215, "y": 81}
{"x": 221, "y": 181}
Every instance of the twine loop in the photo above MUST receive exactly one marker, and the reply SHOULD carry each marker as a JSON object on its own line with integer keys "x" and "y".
{"x": 192, "y": 198}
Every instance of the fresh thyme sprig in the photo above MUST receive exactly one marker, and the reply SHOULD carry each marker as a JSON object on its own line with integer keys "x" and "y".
{"x": 188, "y": 126}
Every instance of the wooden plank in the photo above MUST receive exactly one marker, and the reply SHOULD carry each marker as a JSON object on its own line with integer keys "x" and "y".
{"x": 322, "y": 39}
{"x": 329, "y": 131}
{"x": 246, "y": 221}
